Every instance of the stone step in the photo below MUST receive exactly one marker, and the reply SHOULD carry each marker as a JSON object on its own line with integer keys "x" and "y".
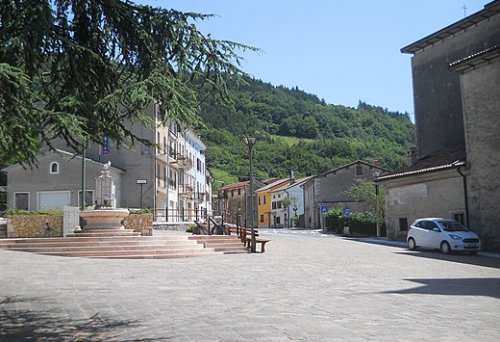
{"x": 103, "y": 234}
{"x": 159, "y": 256}
{"x": 104, "y": 244}
{"x": 95, "y": 239}
{"x": 41, "y": 249}
{"x": 123, "y": 253}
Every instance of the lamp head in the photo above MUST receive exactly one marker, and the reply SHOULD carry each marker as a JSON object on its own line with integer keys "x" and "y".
{"x": 249, "y": 141}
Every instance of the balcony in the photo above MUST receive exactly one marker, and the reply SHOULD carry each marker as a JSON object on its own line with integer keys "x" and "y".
{"x": 181, "y": 161}
{"x": 185, "y": 191}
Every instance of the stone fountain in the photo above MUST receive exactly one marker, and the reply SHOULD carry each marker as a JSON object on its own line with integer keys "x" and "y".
{"x": 105, "y": 218}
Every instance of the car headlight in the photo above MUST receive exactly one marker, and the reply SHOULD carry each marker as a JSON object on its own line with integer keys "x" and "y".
{"x": 455, "y": 237}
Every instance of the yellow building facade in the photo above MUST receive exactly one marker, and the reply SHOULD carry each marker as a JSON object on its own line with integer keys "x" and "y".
{"x": 264, "y": 202}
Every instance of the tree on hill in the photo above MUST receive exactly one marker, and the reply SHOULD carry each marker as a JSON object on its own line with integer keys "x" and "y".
{"x": 328, "y": 136}
{"x": 76, "y": 69}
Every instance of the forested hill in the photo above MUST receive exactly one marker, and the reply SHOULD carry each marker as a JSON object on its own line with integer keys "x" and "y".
{"x": 298, "y": 131}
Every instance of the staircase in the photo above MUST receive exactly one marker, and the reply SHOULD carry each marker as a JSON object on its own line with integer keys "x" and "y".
{"x": 221, "y": 243}
{"x": 117, "y": 247}
{"x": 103, "y": 232}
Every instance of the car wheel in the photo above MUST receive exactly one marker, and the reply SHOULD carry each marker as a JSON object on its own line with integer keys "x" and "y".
{"x": 411, "y": 244}
{"x": 445, "y": 247}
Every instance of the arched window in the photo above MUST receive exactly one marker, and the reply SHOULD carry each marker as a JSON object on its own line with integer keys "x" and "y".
{"x": 54, "y": 167}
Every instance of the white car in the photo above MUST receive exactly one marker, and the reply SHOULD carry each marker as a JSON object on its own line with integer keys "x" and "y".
{"x": 443, "y": 234}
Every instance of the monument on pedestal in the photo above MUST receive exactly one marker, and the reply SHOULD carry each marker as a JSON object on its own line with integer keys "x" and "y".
{"x": 105, "y": 217}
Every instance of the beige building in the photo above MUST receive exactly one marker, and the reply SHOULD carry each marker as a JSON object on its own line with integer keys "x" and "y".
{"x": 327, "y": 190}
{"x": 169, "y": 176}
{"x": 456, "y": 85}
{"x": 432, "y": 187}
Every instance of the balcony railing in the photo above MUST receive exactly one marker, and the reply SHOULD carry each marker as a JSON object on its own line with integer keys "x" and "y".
{"x": 185, "y": 191}
{"x": 182, "y": 162}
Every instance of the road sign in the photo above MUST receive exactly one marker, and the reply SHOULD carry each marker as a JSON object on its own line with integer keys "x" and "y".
{"x": 323, "y": 208}
{"x": 346, "y": 212}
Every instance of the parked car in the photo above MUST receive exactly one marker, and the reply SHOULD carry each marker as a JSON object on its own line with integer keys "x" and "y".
{"x": 443, "y": 234}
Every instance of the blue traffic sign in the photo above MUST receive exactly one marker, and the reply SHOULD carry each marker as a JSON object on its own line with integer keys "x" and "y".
{"x": 323, "y": 208}
{"x": 346, "y": 212}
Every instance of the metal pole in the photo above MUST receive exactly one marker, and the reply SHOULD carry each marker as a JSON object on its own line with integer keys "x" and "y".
{"x": 250, "y": 146}
{"x": 377, "y": 210}
{"x": 82, "y": 198}
{"x": 141, "y": 196}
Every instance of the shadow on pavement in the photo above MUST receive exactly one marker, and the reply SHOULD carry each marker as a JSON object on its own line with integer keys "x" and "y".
{"x": 26, "y": 325}
{"x": 487, "y": 287}
{"x": 476, "y": 260}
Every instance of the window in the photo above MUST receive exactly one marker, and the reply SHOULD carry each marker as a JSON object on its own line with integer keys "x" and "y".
{"x": 278, "y": 220}
{"x": 273, "y": 205}
{"x": 89, "y": 197}
{"x": 279, "y": 204}
{"x": 459, "y": 217}
{"x": 264, "y": 199}
{"x": 158, "y": 151}
{"x": 359, "y": 170}
{"x": 259, "y": 200}
{"x": 54, "y": 168}
{"x": 403, "y": 224}
{"x": 22, "y": 200}
{"x": 261, "y": 218}
{"x": 158, "y": 174}
{"x": 431, "y": 225}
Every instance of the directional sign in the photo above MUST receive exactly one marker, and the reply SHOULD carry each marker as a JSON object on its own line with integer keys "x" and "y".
{"x": 346, "y": 212}
{"x": 323, "y": 208}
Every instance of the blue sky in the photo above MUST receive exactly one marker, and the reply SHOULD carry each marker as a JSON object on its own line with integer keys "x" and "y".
{"x": 342, "y": 51}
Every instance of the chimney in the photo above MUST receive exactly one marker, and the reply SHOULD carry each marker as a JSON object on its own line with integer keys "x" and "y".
{"x": 292, "y": 177}
{"x": 376, "y": 162}
{"x": 411, "y": 156}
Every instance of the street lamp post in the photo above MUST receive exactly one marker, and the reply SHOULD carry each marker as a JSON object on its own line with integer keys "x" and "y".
{"x": 250, "y": 142}
{"x": 376, "y": 173}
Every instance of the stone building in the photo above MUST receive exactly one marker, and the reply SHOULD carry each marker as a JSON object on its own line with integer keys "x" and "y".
{"x": 56, "y": 182}
{"x": 456, "y": 84}
{"x": 169, "y": 176}
{"x": 328, "y": 190}
{"x": 234, "y": 200}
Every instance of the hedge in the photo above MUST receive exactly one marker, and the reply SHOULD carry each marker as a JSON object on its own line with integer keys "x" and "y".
{"x": 359, "y": 223}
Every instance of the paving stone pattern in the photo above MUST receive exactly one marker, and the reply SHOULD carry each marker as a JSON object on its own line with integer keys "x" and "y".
{"x": 303, "y": 288}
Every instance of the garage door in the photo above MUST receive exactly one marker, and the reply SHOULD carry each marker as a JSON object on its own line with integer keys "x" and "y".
{"x": 53, "y": 199}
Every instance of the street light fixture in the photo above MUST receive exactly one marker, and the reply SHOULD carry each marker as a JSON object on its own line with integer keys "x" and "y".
{"x": 250, "y": 142}
{"x": 376, "y": 173}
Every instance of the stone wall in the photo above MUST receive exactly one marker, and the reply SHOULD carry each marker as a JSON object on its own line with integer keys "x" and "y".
{"x": 142, "y": 223}
{"x": 24, "y": 226}
{"x": 480, "y": 87}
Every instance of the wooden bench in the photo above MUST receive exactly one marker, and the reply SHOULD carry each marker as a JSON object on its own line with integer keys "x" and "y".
{"x": 246, "y": 238}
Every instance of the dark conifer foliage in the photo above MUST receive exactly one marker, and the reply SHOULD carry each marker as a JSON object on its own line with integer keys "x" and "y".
{"x": 74, "y": 69}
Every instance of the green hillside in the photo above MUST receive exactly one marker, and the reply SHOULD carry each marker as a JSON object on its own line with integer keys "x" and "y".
{"x": 298, "y": 131}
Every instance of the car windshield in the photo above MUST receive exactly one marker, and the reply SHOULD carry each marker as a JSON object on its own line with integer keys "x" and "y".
{"x": 452, "y": 226}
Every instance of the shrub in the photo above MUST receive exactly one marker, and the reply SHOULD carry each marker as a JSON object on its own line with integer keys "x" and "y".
{"x": 140, "y": 211}
{"x": 360, "y": 223}
{"x": 19, "y": 212}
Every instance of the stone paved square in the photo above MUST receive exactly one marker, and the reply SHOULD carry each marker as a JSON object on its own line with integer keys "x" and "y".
{"x": 306, "y": 287}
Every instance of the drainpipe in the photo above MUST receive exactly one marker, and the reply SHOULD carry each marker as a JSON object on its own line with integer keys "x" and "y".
{"x": 459, "y": 170}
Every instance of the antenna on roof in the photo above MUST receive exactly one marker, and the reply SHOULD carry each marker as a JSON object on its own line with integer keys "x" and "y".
{"x": 465, "y": 10}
